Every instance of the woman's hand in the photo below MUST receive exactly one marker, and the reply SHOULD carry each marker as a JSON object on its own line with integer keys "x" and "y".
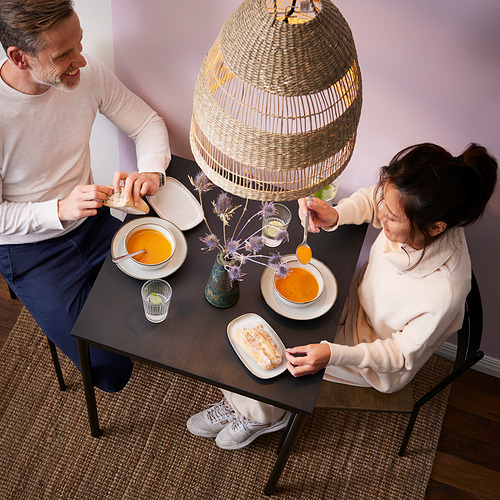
{"x": 322, "y": 215}
{"x": 136, "y": 184}
{"x": 308, "y": 359}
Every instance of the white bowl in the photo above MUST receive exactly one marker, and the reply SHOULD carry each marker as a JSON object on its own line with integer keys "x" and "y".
{"x": 157, "y": 227}
{"x": 314, "y": 271}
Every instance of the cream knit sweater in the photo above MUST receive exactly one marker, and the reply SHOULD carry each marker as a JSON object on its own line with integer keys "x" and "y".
{"x": 44, "y": 147}
{"x": 395, "y": 319}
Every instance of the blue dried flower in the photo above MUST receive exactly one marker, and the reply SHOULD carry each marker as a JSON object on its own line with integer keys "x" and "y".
{"x": 254, "y": 244}
{"x": 282, "y": 270}
{"x": 275, "y": 260}
{"x": 235, "y": 273}
{"x": 232, "y": 246}
{"x": 242, "y": 258}
{"x": 223, "y": 208}
{"x": 282, "y": 235}
{"x": 201, "y": 183}
{"x": 211, "y": 241}
{"x": 268, "y": 208}
{"x": 223, "y": 203}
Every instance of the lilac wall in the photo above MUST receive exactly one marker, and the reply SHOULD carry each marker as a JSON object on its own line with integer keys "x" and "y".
{"x": 430, "y": 73}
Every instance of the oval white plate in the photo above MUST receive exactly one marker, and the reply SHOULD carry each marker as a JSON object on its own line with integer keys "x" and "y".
{"x": 249, "y": 320}
{"x": 131, "y": 268}
{"x": 319, "y": 307}
{"x": 175, "y": 203}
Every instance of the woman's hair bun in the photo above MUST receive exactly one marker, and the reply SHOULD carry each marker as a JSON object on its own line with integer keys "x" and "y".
{"x": 480, "y": 177}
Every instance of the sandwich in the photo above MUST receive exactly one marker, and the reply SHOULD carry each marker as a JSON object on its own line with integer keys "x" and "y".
{"x": 117, "y": 200}
{"x": 259, "y": 345}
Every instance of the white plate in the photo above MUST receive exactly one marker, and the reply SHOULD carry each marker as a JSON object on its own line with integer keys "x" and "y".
{"x": 132, "y": 268}
{"x": 249, "y": 320}
{"x": 319, "y": 307}
{"x": 175, "y": 203}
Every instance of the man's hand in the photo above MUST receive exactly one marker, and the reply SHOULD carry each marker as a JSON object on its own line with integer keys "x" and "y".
{"x": 136, "y": 185}
{"x": 82, "y": 202}
{"x": 307, "y": 359}
{"x": 322, "y": 214}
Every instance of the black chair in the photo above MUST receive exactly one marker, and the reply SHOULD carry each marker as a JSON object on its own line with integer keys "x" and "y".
{"x": 53, "y": 352}
{"x": 346, "y": 397}
{"x": 468, "y": 353}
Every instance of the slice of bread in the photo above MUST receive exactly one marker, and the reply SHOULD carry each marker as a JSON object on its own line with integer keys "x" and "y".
{"x": 117, "y": 200}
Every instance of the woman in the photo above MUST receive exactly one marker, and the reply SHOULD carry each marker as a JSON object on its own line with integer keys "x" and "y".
{"x": 407, "y": 299}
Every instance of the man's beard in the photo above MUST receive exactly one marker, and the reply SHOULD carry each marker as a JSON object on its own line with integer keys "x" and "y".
{"x": 43, "y": 78}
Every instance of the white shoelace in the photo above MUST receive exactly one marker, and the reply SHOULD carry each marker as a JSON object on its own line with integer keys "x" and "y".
{"x": 243, "y": 423}
{"x": 219, "y": 411}
{"x": 239, "y": 424}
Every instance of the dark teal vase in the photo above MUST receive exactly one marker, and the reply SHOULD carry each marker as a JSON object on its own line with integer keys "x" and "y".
{"x": 219, "y": 290}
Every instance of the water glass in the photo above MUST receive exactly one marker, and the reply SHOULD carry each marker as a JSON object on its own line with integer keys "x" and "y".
{"x": 329, "y": 192}
{"x": 156, "y": 295}
{"x": 273, "y": 224}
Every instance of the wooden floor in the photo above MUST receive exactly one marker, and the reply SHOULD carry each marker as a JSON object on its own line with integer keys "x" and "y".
{"x": 467, "y": 464}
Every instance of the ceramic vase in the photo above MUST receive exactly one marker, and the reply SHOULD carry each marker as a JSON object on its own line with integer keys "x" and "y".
{"x": 219, "y": 290}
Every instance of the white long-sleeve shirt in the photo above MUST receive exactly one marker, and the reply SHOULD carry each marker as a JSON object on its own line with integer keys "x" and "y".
{"x": 395, "y": 319}
{"x": 45, "y": 153}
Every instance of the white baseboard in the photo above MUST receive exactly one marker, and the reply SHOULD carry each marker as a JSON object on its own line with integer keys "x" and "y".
{"x": 488, "y": 365}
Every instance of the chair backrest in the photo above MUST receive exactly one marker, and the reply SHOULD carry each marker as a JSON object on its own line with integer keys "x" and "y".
{"x": 469, "y": 336}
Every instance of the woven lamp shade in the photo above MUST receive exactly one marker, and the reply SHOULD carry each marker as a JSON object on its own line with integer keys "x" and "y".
{"x": 277, "y": 101}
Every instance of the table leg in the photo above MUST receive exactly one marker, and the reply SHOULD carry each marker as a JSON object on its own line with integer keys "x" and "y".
{"x": 88, "y": 387}
{"x": 286, "y": 447}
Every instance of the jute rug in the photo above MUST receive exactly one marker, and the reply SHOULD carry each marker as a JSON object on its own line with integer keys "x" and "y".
{"x": 46, "y": 451}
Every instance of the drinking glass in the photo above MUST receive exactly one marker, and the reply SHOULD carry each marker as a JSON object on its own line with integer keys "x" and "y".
{"x": 156, "y": 295}
{"x": 273, "y": 224}
{"x": 328, "y": 192}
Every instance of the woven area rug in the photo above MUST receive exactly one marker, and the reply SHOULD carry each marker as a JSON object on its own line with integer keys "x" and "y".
{"x": 145, "y": 452}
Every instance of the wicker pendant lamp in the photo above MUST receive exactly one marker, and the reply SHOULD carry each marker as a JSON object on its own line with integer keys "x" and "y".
{"x": 277, "y": 100}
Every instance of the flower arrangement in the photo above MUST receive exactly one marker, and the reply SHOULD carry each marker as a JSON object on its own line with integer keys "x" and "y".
{"x": 235, "y": 249}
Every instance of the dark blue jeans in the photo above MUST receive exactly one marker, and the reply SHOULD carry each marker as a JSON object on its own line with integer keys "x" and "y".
{"x": 53, "y": 278}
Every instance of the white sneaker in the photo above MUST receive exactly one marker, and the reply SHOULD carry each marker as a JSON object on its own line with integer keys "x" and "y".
{"x": 241, "y": 432}
{"x": 208, "y": 423}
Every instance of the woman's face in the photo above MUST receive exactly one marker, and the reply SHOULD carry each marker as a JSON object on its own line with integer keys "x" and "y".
{"x": 395, "y": 223}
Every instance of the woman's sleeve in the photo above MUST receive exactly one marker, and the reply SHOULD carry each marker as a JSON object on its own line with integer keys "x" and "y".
{"x": 358, "y": 208}
{"x": 404, "y": 347}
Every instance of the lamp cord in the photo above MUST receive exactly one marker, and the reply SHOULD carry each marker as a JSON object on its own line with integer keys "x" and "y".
{"x": 291, "y": 11}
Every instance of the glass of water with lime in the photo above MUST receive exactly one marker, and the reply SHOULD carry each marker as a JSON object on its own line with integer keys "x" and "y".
{"x": 273, "y": 225}
{"x": 156, "y": 295}
{"x": 328, "y": 192}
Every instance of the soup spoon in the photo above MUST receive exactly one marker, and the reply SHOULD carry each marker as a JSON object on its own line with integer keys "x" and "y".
{"x": 127, "y": 256}
{"x": 304, "y": 252}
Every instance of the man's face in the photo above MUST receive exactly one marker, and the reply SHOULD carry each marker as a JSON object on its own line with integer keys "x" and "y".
{"x": 58, "y": 63}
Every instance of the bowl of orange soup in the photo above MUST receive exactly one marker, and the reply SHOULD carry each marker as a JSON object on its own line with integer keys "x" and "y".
{"x": 158, "y": 241}
{"x": 301, "y": 286}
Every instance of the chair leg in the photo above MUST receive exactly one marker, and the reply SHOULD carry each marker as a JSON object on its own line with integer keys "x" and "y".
{"x": 53, "y": 352}
{"x": 409, "y": 429}
{"x": 57, "y": 366}
{"x": 468, "y": 363}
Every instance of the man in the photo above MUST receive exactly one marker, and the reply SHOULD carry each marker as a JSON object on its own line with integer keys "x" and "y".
{"x": 54, "y": 230}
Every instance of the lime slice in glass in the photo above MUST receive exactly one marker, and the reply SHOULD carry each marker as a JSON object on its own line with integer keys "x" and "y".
{"x": 155, "y": 298}
{"x": 326, "y": 193}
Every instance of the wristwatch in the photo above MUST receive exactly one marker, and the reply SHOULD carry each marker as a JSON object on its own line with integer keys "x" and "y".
{"x": 162, "y": 177}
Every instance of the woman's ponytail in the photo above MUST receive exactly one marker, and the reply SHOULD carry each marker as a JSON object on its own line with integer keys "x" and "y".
{"x": 479, "y": 172}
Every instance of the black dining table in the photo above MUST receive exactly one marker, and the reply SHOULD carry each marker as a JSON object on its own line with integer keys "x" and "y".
{"x": 193, "y": 340}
